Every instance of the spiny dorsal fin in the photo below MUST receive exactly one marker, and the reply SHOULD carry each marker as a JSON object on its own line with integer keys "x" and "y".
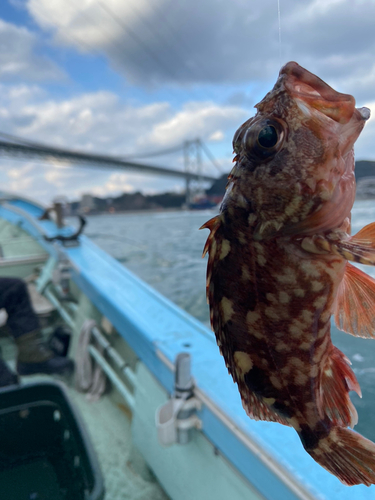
{"x": 212, "y": 225}
{"x": 355, "y": 303}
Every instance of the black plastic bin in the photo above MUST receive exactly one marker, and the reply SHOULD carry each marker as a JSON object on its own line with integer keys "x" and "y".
{"x": 45, "y": 451}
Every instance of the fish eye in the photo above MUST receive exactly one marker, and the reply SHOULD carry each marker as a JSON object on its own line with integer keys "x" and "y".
{"x": 268, "y": 137}
{"x": 264, "y": 138}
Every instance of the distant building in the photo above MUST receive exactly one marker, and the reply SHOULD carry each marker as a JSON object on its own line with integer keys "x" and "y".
{"x": 87, "y": 203}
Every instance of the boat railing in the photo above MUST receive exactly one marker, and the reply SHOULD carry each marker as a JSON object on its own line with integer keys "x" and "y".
{"x": 106, "y": 350}
{"x": 19, "y": 261}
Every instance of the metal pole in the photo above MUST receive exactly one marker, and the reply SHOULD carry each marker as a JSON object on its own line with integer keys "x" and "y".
{"x": 58, "y": 207}
{"x": 115, "y": 356}
{"x": 113, "y": 377}
{"x": 63, "y": 313}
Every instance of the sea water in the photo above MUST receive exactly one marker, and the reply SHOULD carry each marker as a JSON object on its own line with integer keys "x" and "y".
{"x": 165, "y": 250}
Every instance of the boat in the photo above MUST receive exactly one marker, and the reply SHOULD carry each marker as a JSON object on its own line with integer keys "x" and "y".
{"x": 170, "y": 423}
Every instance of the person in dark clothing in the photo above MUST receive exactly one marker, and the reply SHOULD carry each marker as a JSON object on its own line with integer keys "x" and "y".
{"x": 34, "y": 356}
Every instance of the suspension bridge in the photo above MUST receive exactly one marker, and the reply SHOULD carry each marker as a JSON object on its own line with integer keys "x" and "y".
{"x": 12, "y": 146}
{"x": 16, "y": 147}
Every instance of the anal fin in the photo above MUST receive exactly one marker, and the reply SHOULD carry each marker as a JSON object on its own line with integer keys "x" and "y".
{"x": 336, "y": 380}
{"x": 355, "y": 303}
{"x": 257, "y": 409}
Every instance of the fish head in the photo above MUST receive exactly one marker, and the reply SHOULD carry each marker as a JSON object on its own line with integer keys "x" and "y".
{"x": 295, "y": 161}
{"x": 330, "y": 115}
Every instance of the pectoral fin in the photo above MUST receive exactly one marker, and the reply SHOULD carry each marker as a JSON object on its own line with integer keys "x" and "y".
{"x": 355, "y": 303}
{"x": 360, "y": 247}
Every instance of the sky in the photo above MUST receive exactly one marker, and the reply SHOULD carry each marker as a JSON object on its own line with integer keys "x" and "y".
{"x": 128, "y": 77}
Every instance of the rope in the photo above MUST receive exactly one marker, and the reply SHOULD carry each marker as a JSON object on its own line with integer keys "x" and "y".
{"x": 89, "y": 376}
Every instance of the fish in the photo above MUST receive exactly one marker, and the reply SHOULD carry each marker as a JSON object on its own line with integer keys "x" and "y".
{"x": 280, "y": 265}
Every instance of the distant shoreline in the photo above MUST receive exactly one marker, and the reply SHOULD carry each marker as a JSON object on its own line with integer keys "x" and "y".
{"x": 143, "y": 211}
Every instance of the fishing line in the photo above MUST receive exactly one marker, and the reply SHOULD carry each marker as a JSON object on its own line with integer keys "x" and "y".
{"x": 279, "y": 19}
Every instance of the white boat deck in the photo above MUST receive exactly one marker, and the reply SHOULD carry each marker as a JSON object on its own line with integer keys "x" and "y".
{"x": 126, "y": 475}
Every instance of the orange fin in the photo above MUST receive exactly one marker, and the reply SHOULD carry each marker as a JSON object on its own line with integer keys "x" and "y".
{"x": 360, "y": 247}
{"x": 212, "y": 225}
{"x": 336, "y": 380}
{"x": 210, "y": 247}
{"x": 347, "y": 455}
{"x": 355, "y": 303}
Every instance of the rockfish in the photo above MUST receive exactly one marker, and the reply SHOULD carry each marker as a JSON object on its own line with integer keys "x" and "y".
{"x": 278, "y": 268}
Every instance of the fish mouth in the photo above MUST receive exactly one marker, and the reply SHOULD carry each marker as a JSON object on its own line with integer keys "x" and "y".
{"x": 307, "y": 88}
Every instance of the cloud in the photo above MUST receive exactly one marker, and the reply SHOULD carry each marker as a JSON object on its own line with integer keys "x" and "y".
{"x": 18, "y": 58}
{"x": 215, "y": 41}
{"x": 216, "y": 136}
{"x": 46, "y": 181}
{"x": 116, "y": 184}
{"x": 193, "y": 121}
{"x": 334, "y": 39}
{"x": 160, "y": 42}
{"x": 222, "y": 56}
{"x": 100, "y": 122}
{"x": 19, "y": 173}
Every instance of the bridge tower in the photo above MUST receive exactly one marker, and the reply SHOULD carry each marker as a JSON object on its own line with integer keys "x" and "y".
{"x": 193, "y": 166}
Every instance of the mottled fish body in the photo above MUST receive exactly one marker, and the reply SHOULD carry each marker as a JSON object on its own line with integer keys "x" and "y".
{"x": 278, "y": 269}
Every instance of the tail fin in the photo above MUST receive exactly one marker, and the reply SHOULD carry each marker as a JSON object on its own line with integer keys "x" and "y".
{"x": 347, "y": 455}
